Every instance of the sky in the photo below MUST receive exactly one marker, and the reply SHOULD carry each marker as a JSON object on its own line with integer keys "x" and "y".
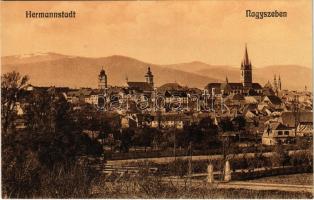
{"x": 164, "y": 32}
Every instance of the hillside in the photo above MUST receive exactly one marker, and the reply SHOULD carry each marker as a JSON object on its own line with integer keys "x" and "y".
{"x": 82, "y": 72}
{"x": 293, "y": 77}
{"x": 73, "y": 71}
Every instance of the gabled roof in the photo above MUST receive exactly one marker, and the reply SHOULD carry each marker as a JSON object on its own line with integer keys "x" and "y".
{"x": 236, "y": 97}
{"x": 235, "y": 85}
{"x": 250, "y": 100}
{"x": 274, "y": 99}
{"x": 142, "y": 86}
{"x": 256, "y": 86}
{"x": 288, "y": 118}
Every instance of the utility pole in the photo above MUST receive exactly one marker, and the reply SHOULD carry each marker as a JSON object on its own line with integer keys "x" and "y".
{"x": 296, "y": 113}
{"x": 174, "y": 142}
{"x": 190, "y": 163}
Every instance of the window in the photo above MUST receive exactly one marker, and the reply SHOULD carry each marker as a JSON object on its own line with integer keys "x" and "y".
{"x": 279, "y": 132}
{"x": 286, "y": 132}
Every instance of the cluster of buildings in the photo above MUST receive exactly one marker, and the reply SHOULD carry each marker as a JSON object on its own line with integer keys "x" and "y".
{"x": 272, "y": 108}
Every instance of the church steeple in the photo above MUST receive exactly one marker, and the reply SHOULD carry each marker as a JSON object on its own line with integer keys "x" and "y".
{"x": 279, "y": 83}
{"x": 102, "y": 79}
{"x": 275, "y": 83}
{"x": 246, "y": 60}
{"x": 149, "y": 77}
{"x": 246, "y": 70}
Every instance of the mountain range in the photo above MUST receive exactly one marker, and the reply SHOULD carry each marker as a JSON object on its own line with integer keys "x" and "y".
{"x": 47, "y": 69}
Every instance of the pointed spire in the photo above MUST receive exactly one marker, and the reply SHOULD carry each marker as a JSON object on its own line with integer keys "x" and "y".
{"x": 227, "y": 79}
{"x": 246, "y": 56}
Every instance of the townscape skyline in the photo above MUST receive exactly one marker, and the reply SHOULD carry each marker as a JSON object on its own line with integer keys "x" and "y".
{"x": 119, "y": 68}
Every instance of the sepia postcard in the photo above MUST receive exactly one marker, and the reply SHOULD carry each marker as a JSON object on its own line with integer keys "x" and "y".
{"x": 157, "y": 99}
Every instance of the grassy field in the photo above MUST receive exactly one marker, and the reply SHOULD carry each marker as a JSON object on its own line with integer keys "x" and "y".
{"x": 168, "y": 191}
{"x": 295, "y": 179}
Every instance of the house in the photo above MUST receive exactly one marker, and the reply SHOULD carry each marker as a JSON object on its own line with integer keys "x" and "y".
{"x": 301, "y": 121}
{"x": 92, "y": 98}
{"x": 170, "y": 121}
{"x": 273, "y": 102}
{"x": 72, "y": 96}
{"x": 277, "y": 133}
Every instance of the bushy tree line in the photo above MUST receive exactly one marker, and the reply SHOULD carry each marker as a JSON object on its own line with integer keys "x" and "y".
{"x": 40, "y": 159}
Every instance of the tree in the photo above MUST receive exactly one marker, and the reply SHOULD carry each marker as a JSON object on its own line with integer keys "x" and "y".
{"x": 143, "y": 137}
{"x": 51, "y": 143}
{"x": 226, "y": 124}
{"x": 126, "y": 139}
{"x": 12, "y": 85}
{"x": 239, "y": 122}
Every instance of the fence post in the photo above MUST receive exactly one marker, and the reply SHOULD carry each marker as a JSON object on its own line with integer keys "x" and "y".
{"x": 227, "y": 171}
{"x": 210, "y": 173}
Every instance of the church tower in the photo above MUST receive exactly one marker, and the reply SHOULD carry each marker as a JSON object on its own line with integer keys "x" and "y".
{"x": 149, "y": 77}
{"x": 279, "y": 83}
{"x": 102, "y": 79}
{"x": 246, "y": 70}
{"x": 275, "y": 83}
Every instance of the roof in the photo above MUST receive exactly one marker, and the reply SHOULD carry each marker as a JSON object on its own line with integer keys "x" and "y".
{"x": 170, "y": 86}
{"x": 213, "y": 85}
{"x": 288, "y": 118}
{"x": 256, "y": 86}
{"x": 233, "y": 86}
{"x": 278, "y": 126}
{"x": 194, "y": 91}
{"x": 250, "y": 107}
{"x": 236, "y": 97}
{"x": 223, "y": 86}
{"x": 176, "y": 93}
{"x": 250, "y": 99}
{"x": 268, "y": 91}
{"x": 142, "y": 86}
{"x": 58, "y": 89}
{"x": 274, "y": 99}
{"x": 268, "y": 85}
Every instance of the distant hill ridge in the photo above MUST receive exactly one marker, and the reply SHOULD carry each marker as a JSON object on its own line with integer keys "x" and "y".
{"x": 46, "y": 69}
